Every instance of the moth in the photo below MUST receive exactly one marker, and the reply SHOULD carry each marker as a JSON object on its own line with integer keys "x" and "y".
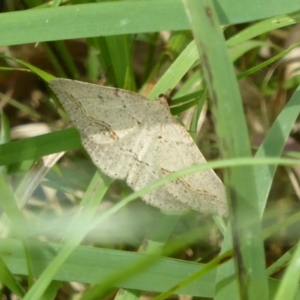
{"x": 131, "y": 138}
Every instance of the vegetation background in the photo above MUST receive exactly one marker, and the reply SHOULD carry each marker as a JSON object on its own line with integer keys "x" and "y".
{"x": 69, "y": 232}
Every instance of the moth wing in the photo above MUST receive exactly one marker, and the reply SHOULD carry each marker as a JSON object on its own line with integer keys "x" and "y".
{"x": 131, "y": 138}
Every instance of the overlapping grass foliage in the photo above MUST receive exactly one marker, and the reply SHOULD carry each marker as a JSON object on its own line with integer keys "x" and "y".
{"x": 64, "y": 221}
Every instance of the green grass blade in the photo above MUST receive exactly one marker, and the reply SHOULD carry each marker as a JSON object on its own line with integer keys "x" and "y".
{"x": 76, "y": 233}
{"x": 35, "y": 147}
{"x": 264, "y": 26}
{"x": 273, "y": 146}
{"x": 153, "y": 245}
{"x": 7, "y": 278}
{"x": 119, "y": 49}
{"x": 86, "y": 264}
{"x": 115, "y": 18}
{"x": 213, "y": 264}
{"x": 9, "y": 206}
{"x": 233, "y": 140}
{"x": 290, "y": 282}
